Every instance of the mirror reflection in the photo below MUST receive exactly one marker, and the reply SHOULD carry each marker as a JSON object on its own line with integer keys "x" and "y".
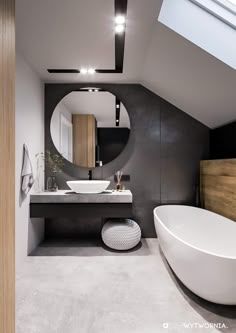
{"x": 90, "y": 127}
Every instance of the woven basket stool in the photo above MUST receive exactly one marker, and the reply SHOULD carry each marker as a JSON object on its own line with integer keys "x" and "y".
{"x": 123, "y": 234}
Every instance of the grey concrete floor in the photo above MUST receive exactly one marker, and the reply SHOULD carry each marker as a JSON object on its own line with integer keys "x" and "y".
{"x": 71, "y": 287}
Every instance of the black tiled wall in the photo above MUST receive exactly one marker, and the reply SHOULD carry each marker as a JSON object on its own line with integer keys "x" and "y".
{"x": 223, "y": 142}
{"x": 162, "y": 155}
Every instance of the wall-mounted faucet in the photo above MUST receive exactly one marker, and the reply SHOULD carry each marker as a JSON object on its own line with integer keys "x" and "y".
{"x": 90, "y": 175}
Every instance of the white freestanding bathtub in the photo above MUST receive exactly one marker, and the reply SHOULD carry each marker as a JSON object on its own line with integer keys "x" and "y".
{"x": 200, "y": 247}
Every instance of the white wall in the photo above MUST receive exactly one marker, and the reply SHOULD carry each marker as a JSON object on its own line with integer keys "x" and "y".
{"x": 29, "y": 130}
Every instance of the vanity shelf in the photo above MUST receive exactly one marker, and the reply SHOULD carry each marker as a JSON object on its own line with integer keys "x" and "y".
{"x": 69, "y": 204}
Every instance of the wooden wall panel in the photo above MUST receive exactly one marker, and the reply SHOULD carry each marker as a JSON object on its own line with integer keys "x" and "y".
{"x": 91, "y": 141}
{"x": 84, "y": 140}
{"x": 79, "y": 140}
{"x": 7, "y": 166}
{"x": 218, "y": 187}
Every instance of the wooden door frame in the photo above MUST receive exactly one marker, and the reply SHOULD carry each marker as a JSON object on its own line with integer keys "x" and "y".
{"x": 7, "y": 166}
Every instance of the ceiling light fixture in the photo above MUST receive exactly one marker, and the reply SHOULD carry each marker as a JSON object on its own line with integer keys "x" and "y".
{"x": 119, "y": 31}
{"x": 84, "y": 71}
{"x": 120, "y": 19}
{"x": 119, "y": 28}
{"x": 91, "y": 71}
{"x": 96, "y": 90}
{"x": 117, "y": 106}
{"x": 87, "y": 71}
{"x": 90, "y": 90}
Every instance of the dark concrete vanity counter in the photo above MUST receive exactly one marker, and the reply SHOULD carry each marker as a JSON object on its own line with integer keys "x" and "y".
{"x": 62, "y": 196}
{"x": 70, "y": 204}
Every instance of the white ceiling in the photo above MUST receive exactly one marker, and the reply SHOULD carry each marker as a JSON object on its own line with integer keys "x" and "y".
{"x": 79, "y": 33}
{"x": 100, "y": 104}
{"x": 65, "y": 34}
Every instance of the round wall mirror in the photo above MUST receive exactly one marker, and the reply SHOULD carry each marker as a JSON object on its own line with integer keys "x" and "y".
{"x": 90, "y": 127}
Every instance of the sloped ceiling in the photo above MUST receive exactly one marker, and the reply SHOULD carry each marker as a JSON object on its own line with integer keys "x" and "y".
{"x": 79, "y": 33}
{"x": 190, "y": 78}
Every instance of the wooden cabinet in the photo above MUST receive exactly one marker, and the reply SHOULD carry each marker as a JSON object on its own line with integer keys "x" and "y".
{"x": 84, "y": 140}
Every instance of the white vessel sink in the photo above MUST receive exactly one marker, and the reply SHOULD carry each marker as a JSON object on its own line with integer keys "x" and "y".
{"x": 88, "y": 186}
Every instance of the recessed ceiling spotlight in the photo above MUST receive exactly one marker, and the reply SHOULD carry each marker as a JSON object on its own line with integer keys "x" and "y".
{"x": 117, "y": 106}
{"x": 90, "y": 90}
{"x": 83, "y": 71}
{"x": 96, "y": 90}
{"x": 119, "y": 28}
{"x": 117, "y": 120}
{"x": 91, "y": 71}
{"x": 120, "y": 19}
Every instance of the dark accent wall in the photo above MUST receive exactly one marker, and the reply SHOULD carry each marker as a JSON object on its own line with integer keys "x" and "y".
{"x": 111, "y": 142}
{"x": 223, "y": 142}
{"x": 162, "y": 155}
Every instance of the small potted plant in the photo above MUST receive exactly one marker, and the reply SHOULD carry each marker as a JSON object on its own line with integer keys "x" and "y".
{"x": 54, "y": 163}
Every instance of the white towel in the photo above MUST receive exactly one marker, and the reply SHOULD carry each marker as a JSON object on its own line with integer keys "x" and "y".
{"x": 27, "y": 172}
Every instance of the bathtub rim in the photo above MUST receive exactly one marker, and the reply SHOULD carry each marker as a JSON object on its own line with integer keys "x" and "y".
{"x": 187, "y": 243}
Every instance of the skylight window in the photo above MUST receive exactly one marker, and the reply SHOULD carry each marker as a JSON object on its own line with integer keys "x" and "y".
{"x": 232, "y": 1}
{"x": 225, "y": 10}
{"x": 229, "y": 5}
